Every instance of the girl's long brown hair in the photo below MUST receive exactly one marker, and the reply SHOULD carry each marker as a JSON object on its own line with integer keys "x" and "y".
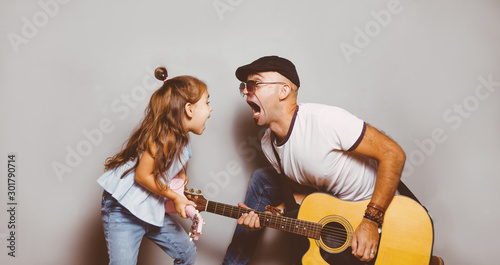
{"x": 161, "y": 132}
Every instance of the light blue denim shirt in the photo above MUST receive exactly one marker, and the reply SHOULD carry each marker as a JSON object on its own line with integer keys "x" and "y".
{"x": 142, "y": 203}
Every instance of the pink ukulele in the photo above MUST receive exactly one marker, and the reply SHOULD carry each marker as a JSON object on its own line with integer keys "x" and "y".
{"x": 177, "y": 185}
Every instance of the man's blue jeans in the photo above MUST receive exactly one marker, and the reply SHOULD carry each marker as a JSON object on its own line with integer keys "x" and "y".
{"x": 263, "y": 190}
{"x": 124, "y": 233}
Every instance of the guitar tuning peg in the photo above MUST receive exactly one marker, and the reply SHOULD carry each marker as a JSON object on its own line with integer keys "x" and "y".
{"x": 185, "y": 188}
{"x": 191, "y": 190}
{"x": 198, "y": 191}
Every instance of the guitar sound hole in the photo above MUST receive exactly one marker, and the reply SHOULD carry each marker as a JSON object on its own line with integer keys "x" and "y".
{"x": 334, "y": 235}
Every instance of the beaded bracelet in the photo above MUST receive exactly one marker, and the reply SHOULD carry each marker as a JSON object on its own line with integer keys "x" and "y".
{"x": 375, "y": 213}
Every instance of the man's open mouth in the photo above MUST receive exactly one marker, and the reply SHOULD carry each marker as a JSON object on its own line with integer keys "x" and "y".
{"x": 255, "y": 108}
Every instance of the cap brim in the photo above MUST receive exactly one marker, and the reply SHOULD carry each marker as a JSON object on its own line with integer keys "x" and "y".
{"x": 243, "y": 71}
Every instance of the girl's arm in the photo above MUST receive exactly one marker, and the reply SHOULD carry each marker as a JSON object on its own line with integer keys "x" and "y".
{"x": 144, "y": 176}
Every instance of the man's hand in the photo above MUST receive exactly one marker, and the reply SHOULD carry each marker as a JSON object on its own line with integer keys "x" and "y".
{"x": 249, "y": 220}
{"x": 365, "y": 240}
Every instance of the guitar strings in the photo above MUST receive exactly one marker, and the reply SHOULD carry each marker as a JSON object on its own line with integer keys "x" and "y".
{"x": 314, "y": 230}
{"x": 275, "y": 221}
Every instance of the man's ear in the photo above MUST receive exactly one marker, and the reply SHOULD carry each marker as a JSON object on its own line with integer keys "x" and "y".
{"x": 189, "y": 109}
{"x": 284, "y": 92}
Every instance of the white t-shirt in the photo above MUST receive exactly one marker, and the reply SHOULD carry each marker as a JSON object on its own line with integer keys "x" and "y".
{"x": 315, "y": 152}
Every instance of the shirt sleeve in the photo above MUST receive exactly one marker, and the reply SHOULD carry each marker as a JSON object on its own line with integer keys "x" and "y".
{"x": 343, "y": 130}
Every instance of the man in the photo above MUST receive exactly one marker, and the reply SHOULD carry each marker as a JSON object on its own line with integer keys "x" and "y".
{"x": 319, "y": 147}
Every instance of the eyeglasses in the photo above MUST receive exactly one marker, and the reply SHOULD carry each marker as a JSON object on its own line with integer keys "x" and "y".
{"x": 251, "y": 86}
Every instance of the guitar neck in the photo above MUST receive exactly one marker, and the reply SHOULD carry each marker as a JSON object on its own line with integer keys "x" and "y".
{"x": 292, "y": 225}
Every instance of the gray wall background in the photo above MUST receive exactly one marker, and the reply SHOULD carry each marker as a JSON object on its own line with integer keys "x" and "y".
{"x": 75, "y": 77}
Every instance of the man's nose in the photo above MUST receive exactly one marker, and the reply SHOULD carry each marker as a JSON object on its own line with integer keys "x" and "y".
{"x": 244, "y": 92}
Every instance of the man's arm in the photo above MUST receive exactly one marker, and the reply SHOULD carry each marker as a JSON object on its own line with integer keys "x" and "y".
{"x": 391, "y": 159}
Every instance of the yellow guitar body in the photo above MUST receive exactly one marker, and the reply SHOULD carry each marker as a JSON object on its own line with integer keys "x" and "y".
{"x": 407, "y": 233}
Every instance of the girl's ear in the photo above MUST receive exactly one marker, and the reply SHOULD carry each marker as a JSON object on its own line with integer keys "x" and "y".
{"x": 189, "y": 109}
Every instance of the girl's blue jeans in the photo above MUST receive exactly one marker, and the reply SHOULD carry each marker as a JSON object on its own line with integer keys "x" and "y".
{"x": 124, "y": 233}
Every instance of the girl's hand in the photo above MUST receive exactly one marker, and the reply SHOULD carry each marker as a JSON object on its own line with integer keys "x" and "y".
{"x": 180, "y": 204}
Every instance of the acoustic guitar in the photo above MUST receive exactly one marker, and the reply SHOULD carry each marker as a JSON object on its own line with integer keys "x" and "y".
{"x": 329, "y": 223}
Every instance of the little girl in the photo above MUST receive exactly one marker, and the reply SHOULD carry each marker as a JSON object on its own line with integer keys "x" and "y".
{"x": 136, "y": 183}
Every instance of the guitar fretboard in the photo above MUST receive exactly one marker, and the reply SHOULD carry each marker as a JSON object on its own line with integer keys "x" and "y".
{"x": 296, "y": 226}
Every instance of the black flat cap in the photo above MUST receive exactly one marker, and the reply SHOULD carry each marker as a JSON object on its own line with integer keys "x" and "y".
{"x": 269, "y": 64}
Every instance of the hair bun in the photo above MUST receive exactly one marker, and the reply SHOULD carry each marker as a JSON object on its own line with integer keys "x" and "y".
{"x": 161, "y": 73}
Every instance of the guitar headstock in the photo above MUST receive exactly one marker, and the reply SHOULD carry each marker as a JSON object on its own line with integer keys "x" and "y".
{"x": 195, "y": 230}
{"x": 195, "y": 196}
